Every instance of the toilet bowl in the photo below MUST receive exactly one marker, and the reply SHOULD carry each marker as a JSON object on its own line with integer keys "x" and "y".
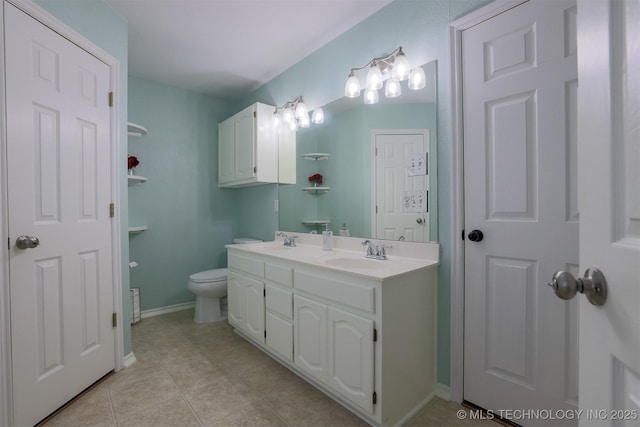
{"x": 210, "y": 288}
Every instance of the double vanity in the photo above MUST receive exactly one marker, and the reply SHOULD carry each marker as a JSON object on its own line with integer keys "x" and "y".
{"x": 361, "y": 330}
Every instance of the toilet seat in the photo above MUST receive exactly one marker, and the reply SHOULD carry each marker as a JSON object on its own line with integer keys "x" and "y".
{"x": 215, "y": 275}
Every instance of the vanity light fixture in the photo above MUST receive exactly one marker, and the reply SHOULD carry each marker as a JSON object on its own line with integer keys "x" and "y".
{"x": 295, "y": 114}
{"x": 393, "y": 68}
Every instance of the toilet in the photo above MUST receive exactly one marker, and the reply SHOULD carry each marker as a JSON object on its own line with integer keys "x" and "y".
{"x": 210, "y": 287}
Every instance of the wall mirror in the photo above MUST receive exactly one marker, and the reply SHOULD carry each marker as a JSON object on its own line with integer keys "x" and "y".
{"x": 391, "y": 195}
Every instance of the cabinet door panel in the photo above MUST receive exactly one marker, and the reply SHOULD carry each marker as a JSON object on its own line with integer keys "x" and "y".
{"x": 311, "y": 337}
{"x": 350, "y": 364}
{"x": 244, "y": 144}
{"x": 254, "y": 306}
{"x": 280, "y": 336}
{"x": 235, "y": 300}
{"x": 226, "y": 152}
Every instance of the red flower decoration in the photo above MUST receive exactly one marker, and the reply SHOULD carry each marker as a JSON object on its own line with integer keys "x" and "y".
{"x": 317, "y": 178}
{"x": 132, "y": 162}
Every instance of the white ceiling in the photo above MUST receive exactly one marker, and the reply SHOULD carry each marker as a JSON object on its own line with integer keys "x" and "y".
{"x": 227, "y": 48}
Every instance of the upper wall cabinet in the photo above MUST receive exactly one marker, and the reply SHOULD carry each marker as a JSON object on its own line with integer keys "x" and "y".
{"x": 248, "y": 152}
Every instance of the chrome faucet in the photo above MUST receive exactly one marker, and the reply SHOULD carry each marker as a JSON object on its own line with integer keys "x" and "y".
{"x": 287, "y": 240}
{"x": 376, "y": 251}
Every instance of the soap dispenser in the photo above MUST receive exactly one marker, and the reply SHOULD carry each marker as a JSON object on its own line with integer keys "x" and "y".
{"x": 326, "y": 238}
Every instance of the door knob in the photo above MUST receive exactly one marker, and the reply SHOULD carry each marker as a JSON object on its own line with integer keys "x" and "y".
{"x": 476, "y": 236}
{"x": 419, "y": 220}
{"x": 27, "y": 242}
{"x": 593, "y": 285}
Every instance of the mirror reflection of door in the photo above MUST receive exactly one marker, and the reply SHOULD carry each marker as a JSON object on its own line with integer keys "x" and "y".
{"x": 401, "y": 208}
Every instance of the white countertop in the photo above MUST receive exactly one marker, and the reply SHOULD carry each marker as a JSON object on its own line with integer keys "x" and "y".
{"x": 309, "y": 252}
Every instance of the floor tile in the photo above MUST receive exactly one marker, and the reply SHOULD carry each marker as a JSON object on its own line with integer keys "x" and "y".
{"x": 91, "y": 409}
{"x": 219, "y": 399}
{"x": 169, "y": 414}
{"x": 257, "y": 415}
{"x": 141, "y": 394}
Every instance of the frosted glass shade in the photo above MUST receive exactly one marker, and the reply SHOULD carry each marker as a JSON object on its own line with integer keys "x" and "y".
{"x": 370, "y": 96}
{"x": 392, "y": 88}
{"x": 401, "y": 69}
{"x": 317, "y": 116}
{"x": 301, "y": 110}
{"x": 417, "y": 79}
{"x": 374, "y": 77}
{"x": 352, "y": 87}
{"x": 288, "y": 115}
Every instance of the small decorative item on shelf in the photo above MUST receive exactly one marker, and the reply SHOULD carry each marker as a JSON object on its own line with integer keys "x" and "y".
{"x": 316, "y": 179}
{"x": 132, "y": 162}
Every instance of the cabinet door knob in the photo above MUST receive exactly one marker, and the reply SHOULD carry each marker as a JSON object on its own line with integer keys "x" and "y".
{"x": 476, "y": 236}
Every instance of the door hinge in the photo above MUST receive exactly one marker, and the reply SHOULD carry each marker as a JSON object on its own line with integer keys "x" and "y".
{"x": 375, "y": 335}
{"x": 376, "y": 209}
{"x": 265, "y": 333}
{"x": 110, "y": 99}
{"x": 375, "y": 398}
{"x": 255, "y": 114}
{"x": 376, "y": 151}
{"x": 9, "y": 243}
{"x": 114, "y": 320}
{"x": 264, "y": 293}
{"x": 255, "y": 169}
{"x": 112, "y": 210}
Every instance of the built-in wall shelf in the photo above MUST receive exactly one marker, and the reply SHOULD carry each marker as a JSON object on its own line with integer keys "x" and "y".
{"x": 138, "y": 229}
{"x": 315, "y": 156}
{"x": 316, "y": 222}
{"x": 316, "y": 190}
{"x": 136, "y": 179}
{"x": 134, "y": 129}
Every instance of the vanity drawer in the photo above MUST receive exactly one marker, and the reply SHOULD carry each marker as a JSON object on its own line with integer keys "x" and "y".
{"x": 279, "y": 274}
{"x": 341, "y": 291}
{"x": 247, "y": 264}
{"x": 279, "y": 301}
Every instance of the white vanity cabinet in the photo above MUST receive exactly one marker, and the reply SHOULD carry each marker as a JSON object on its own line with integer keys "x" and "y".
{"x": 245, "y": 295}
{"x": 248, "y": 149}
{"x": 367, "y": 341}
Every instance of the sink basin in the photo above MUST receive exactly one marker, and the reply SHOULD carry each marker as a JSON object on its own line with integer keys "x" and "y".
{"x": 365, "y": 263}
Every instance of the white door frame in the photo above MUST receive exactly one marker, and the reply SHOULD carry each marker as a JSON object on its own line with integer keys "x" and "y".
{"x": 457, "y": 187}
{"x": 33, "y": 10}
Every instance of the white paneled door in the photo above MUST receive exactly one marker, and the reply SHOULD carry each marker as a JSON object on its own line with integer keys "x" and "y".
{"x": 609, "y": 136}
{"x": 401, "y": 206}
{"x": 521, "y": 212}
{"x": 59, "y": 191}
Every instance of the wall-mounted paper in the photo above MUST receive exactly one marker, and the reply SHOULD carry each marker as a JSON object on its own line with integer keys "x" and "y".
{"x": 415, "y": 201}
{"x": 417, "y": 164}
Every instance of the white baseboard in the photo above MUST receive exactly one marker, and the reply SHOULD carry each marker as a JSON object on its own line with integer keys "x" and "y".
{"x": 129, "y": 360}
{"x": 443, "y": 391}
{"x": 167, "y": 309}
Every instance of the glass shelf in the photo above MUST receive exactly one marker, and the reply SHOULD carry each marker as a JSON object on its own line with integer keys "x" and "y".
{"x": 137, "y": 229}
{"x": 136, "y": 179}
{"x": 315, "y": 156}
{"x": 134, "y": 129}
{"x": 316, "y": 222}
{"x": 316, "y": 190}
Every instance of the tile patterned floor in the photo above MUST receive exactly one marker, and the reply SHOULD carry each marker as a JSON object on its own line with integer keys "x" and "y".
{"x": 206, "y": 375}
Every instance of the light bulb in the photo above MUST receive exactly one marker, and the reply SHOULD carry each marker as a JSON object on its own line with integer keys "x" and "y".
{"x": 392, "y": 88}
{"x": 318, "y": 116}
{"x": 293, "y": 125}
{"x": 401, "y": 67}
{"x": 303, "y": 121}
{"x": 301, "y": 110}
{"x": 417, "y": 79}
{"x": 370, "y": 96}
{"x": 276, "y": 119}
{"x": 374, "y": 77}
{"x": 287, "y": 115}
{"x": 352, "y": 87}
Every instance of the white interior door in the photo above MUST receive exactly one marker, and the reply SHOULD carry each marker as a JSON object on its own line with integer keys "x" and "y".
{"x": 609, "y": 135}
{"x": 59, "y": 189}
{"x": 401, "y": 207}
{"x": 519, "y": 110}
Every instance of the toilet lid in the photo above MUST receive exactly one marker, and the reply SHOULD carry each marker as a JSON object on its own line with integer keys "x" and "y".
{"x": 209, "y": 275}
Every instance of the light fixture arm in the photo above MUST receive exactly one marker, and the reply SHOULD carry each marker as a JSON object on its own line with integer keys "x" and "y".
{"x": 384, "y": 62}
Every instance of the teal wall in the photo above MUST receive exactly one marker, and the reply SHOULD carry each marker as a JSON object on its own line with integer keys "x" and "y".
{"x": 421, "y": 27}
{"x": 190, "y": 219}
{"x": 96, "y": 21}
